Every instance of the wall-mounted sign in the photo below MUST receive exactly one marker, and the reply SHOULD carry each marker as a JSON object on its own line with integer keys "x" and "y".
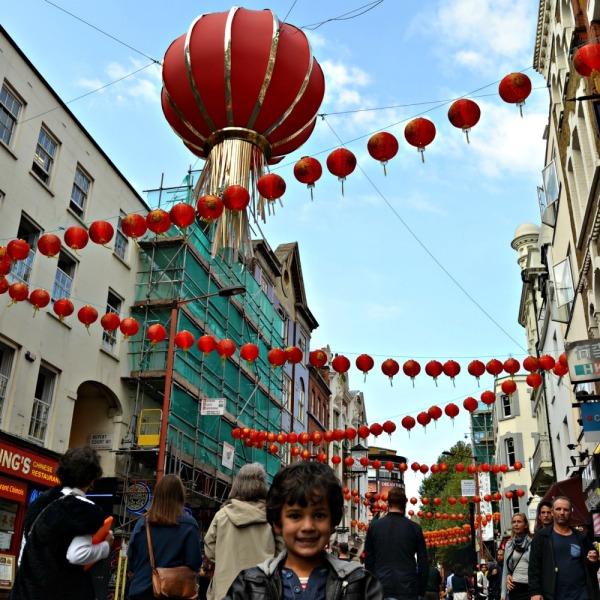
{"x": 228, "y": 455}
{"x": 137, "y": 497}
{"x": 101, "y": 441}
{"x": 13, "y": 490}
{"x": 212, "y": 406}
{"x": 467, "y": 487}
{"x": 584, "y": 360}
{"x": 28, "y": 465}
{"x": 7, "y": 571}
{"x": 590, "y": 420}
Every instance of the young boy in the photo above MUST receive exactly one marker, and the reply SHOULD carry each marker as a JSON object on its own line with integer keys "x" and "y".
{"x": 304, "y": 506}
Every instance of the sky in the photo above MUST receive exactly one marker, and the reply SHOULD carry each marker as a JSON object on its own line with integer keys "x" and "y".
{"x": 413, "y": 265}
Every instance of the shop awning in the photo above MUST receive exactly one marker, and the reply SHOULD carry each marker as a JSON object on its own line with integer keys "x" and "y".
{"x": 572, "y": 489}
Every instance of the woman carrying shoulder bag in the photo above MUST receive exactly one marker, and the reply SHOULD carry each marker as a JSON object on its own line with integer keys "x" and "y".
{"x": 174, "y": 536}
{"x": 459, "y": 584}
{"x": 515, "y": 581}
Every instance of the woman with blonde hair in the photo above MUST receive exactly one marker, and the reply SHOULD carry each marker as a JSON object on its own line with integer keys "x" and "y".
{"x": 239, "y": 536}
{"x": 515, "y": 581}
{"x": 174, "y": 535}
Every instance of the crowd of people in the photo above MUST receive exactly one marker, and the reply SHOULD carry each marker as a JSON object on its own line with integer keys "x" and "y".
{"x": 274, "y": 544}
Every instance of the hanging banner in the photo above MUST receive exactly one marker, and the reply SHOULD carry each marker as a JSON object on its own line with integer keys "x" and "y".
{"x": 485, "y": 487}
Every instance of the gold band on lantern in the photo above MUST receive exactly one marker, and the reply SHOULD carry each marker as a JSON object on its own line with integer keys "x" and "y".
{"x": 238, "y": 133}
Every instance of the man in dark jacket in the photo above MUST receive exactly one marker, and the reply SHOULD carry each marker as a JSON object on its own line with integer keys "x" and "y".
{"x": 390, "y": 549}
{"x": 494, "y": 575}
{"x": 562, "y": 562}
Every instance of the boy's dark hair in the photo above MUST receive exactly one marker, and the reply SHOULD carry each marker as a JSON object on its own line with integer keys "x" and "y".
{"x": 397, "y": 498}
{"x": 79, "y": 467}
{"x": 302, "y": 483}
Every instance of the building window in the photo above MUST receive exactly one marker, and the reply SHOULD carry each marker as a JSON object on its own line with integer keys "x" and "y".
{"x": 121, "y": 240}
{"x": 80, "y": 192}
{"x": 21, "y": 270}
{"x": 514, "y": 504}
{"x": 301, "y": 401}
{"x": 45, "y": 154}
{"x": 63, "y": 281}
{"x": 509, "y": 445}
{"x": 284, "y": 326}
{"x": 287, "y": 392}
{"x": 506, "y": 408}
{"x": 563, "y": 281}
{"x": 6, "y": 361}
{"x": 10, "y": 107}
{"x": 302, "y": 346}
{"x": 44, "y": 391}
{"x": 109, "y": 338}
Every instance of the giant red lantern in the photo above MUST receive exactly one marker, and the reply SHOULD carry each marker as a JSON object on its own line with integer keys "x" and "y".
{"x": 514, "y": 89}
{"x": 240, "y": 88}
{"x": 364, "y": 363}
{"x": 383, "y": 147}
{"x": 464, "y": 114}
{"x": 341, "y": 163}
{"x": 390, "y": 367}
{"x": 420, "y": 132}
{"x": 587, "y": 62}
{"x": 308, "y": 170}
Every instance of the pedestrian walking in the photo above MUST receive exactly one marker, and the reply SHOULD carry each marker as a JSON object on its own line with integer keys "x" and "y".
{"x": 57, "y": 538}
{"x": 174, "y": 536}
{"x": 459, "y": 585}
{"x": 239, "y": 536}
{"x": 305, "y": 504}
{"x": 563, "y": 564}
{"x": 434, "y": 582}
{"x": 391, "y": 546}
{"x": 494, "y": 575}
{"x": 515, "y": 577}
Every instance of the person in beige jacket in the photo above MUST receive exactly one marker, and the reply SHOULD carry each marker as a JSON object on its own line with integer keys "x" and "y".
{"x": 239, "y": 536}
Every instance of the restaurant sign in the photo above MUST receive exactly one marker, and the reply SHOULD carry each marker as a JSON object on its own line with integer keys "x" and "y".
{"x": 584, "y": 360}
{"x": 26, "y": 464}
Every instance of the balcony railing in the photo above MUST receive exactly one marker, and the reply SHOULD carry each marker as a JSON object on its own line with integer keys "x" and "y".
{"x": 542, "y": 457}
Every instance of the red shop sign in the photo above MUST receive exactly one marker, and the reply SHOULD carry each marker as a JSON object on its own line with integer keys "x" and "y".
{"x": 13, "y": 490}
{"x": 28, "y": 465}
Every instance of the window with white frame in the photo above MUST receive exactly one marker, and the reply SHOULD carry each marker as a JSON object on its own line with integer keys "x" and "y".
{"x": 63, "y": 280}
{"x": 42, "y": 402}
{"x": 506, "y": 405}
{"x": 10, "y": 108}
{"x": 563, "y": 283}
{"x": 6, "y": 361}
{"x": 113, "y": 305}
{"x": 80, "y": 191}
{"x": 45, "y": 155}
{"x": 121, "y": 240}
{"x": 509, "y": 446}
{"x": 21, "y": 270}
{"x": 301, "y": 401}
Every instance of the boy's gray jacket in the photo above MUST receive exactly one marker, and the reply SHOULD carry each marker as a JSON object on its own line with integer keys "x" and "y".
{"x": 346, "y": 580}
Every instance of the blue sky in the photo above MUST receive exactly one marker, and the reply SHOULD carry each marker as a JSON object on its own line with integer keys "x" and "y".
{"x": 397, "y": 266}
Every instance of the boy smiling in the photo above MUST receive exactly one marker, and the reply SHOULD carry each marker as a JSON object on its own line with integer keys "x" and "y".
{"x": 304, "y": 506}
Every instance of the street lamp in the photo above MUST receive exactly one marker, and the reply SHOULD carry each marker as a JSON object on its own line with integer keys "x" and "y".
{"x": 225, "y": 292}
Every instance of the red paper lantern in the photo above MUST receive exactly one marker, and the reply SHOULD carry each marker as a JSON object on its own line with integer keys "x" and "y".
{"x": 18, "y": 292}
{"x": 517, "y": 466}
{"x": 451, "y": 500}
{"x": 49, "y": 245}
{"x": 488, "y": 398}
{"x": 434, "y": 369}
{"x": 383, "y": 147}
{"x": 587, "y": 62}
{"x": 271, "y": 186}
{"x": 63, "y": 308}
{"x": 156, "y": 333}
{"x": 295, "y": 451}
{"x": 226, "y": 348}
{"x": 316, "y": 437}
{"x": 420, "y": 133}
{"x": 377, "y": 464}
{"x": 339, "y": 435}
{"x": 463, "y": 500}
{"x": 6, "y": 264}
{"x": 304, "y": 438}
{"x": 39, "y": 299}
{"x": 534, "y": 380}
{"x": 531, "y": 364}
{"x": 292, "y": 437}
{"x": 277, "y": 357}
{"x": 308, "y": 170}
{"x": 560, "y": 370}
{"x": 364, "y": 363}
{"x": 451, "y": 368}
{"x": 317, "y": 358}
{"x": 459, "y": 467}
{"x": 349, "y": 461}
{"x": 129, "y": 327}
{"x": 494, "y": 367}
{"x": 18, "y": 249}
{"x": 435, "y": 412}
{"x": 562, "y": 359}
{"x": 101, "y": 232}
{"x": 350, "y": 433}
{"x": 471, "y": 469}
{"x": 376, "y": 429}
{"x": 470, "y": 404}
{"x": 511, "y": 366}
{"x": 235, "y": 197}
{"x": 363, "y": 432}
{"x": 514, "y": 89}
{"x": 546, "y": 362}
{"x": 209, "y": 207}
{"x": 322, "y": 457}
{"x": 423, "y": 418}
{"x": 341, "y": 163}
{"x": 408, "y": 422}
{"x": 390, "y": 367}
{"x": 364, "y": 461}
{"x": 158, "y": 221}
{"x": 451, "y": 410}
{"x": 182, "y": 215}
{"x": 415, "y": 466}
{"x": 435, "y": 469}
{"x": 249, "y": 352}
{"x": 134, "y": 226}
{"x": 389, "y": 427}
{"x": 411, "y": 368}
{"x": 87, "y": 315}
{"x": 476, "y": 368}
{"x": 76, "y": 238}
{"x": 293, "y": 355}
{"x": 340, "y": 364}
{"x": 509, "y": 494}
{"x": 424, "y": 469}
{"x": 389, "y": 466}
{"x": 509, "y": 387}
{"x": 185, "y": 340}
{"x": 206, "y": 344}
{"x": 464, "y": 114}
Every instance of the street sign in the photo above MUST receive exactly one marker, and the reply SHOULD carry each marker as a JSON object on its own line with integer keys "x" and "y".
{"x": 467, "y": 487}
{"x": 212, "y": 407}
{"x": 583, "y": 357}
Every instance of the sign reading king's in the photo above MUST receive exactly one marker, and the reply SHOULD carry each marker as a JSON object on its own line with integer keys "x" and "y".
{"x": 29, "y": 465}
